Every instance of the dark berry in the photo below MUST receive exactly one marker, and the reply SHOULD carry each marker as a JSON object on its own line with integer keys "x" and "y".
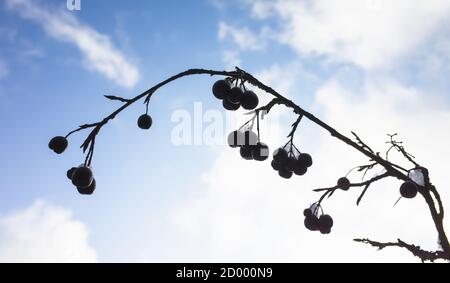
{"x": 58, "y": 144}
{"x": 305, "y": 159}
{"x": 276, "y": 165}
{"x": 285, "y": 174}
{"x": 344, "y": 184}
{"x": 230, "y": 106}
{"x": 246, "y": 152}
{"x": 280, "y": 155}
{"x": 307, "y": 212}
{"x": 408, "y": 190}
{"x": 236, "y": 139}
{"x": 312, "y": 223}
{"x": 235, "y": 95}
{"x": 325, "y": 224}
{"x": 290, "y": 164}
{"x": 145, "y": 122}
{"x": 300, "y": 170}
{"x": 221, "y": 89}
{"x": 249, "y": 100}
{"x": 88, "y": 190}
{"x": 82, "y": 177}
{"x": 260, "y": 152}
{"x": 70, "y": 172}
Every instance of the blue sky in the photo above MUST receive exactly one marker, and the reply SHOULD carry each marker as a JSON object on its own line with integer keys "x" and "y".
{"x": 383, "y": 60}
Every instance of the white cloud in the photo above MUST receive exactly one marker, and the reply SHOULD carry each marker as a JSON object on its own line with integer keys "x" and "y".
{"x": 99, "y": 53}
{"x": 44, "y": 233}
{"x": 371, "y": 33}
{"x": 244, "y": 38}
{"x": 231, "y": 59}
{"x": 247, "y": 213}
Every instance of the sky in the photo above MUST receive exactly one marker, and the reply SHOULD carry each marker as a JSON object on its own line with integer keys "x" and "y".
{"x": 373, "y": 66}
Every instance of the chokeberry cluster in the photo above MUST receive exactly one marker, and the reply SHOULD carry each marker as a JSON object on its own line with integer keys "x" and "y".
{"x": 83, "y": 179}
{"x": 316, "y": 220}
{"x": 233, "y": 97}
{"x": 249, "y": 145}
{"x": 290, "y": 162}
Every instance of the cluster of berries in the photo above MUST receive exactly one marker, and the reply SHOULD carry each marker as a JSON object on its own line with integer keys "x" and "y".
{"x": 316, "y": 220}
{"x": 234, "y": 97}
{"x": 83, "y": 179}
{"x": 288, "y": 163}
{"x": 249, "y": 145}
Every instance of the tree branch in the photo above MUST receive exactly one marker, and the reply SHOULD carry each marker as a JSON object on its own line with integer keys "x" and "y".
{"x": 117, "y": 98}
{"x": 415, "y": 250}
{"x": 362, "y": 184}
{"x": 392, "y": 170}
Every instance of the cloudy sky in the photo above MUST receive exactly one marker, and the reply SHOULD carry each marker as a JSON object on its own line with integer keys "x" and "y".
{"x": 372, "y": 66}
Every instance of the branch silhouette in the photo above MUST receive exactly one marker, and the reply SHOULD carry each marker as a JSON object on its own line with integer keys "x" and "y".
{"x": 391, "y": 170}
{"x": 415, "y": 250}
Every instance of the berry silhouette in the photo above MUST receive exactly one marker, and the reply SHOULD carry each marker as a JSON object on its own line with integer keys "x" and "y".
{"x": 408, "y": 190}
{"x": 290, "y": 164}
{"x": 344, "y": 184}
{"x": 246, "y": 152}
{"x": 260, "y": 152}
{"x": 82, "y": 177}
{"x": 221, "y": 89}
{"x": 276, "y": 165}
{"x": 88, "y": 190}
{"x": 280, "y": 155}
{"x": 58, "y": 144}
{"x": 250, "y": 138}
{"x": 236, "y": 139}
{"x": 70, "y": 172}
{"x": 235, "y": 95}
{"x": 230, "y": 106}
{"x": 145, "y": 122}
{"x": 325, "y": 224}
{"x": 300, "y": 170}
{"x": 307, "y": 212}
{"x": 249, "y": 100}
{"x": 305, "y": 159}
{"x": 312, "y": 223}
{"x": 285, "y": 174}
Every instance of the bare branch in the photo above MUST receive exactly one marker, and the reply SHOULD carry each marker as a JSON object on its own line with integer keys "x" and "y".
{"x": 368, "y": 182}
{"x": 415, "y": 250}
{"x": 362, "y": 194}
{"x": 361, "y": 143}
{"x": 399, "y": 147}
{"x": 117, "y": 98}
{"x": 266, "y": 108}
